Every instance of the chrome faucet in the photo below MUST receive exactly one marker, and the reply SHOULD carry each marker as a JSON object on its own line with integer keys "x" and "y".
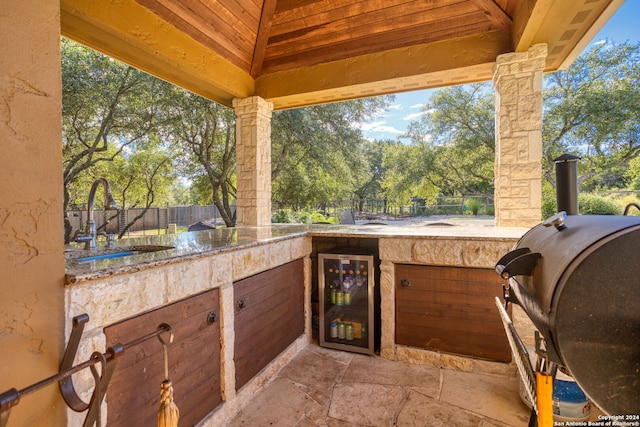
{"x": 90, "y": 231}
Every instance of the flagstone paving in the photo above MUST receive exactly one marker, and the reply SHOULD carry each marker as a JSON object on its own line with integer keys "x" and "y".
{"x": 322, "y": 387}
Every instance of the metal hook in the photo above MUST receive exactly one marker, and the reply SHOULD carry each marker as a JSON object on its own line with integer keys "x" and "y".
{"x": 108, "y": 363}
{"x": 67, "y": 389}
{"x": 95, "y": 414}
{"x": 165, "y": 352}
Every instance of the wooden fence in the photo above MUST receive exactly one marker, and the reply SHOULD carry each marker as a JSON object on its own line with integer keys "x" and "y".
{"x": 154, "y": 219}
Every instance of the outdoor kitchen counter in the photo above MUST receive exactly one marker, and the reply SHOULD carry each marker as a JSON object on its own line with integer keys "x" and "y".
{"x": 111, "y": 291}
{"x": 194, "y": 245}
{"x": 186, "y": 246}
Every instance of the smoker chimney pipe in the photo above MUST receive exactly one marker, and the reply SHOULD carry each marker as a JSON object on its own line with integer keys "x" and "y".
{"x": 567, "y": 184}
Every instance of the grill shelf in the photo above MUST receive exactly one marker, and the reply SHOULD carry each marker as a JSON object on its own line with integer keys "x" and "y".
{"x": 520, "y": 355}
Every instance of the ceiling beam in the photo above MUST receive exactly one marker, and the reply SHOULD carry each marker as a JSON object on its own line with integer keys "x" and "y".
{"x": 260, "y": 50}
{"x": 495, "y": 13}
{"x": 431, "y": 65}
{"x": 528, "y": 19}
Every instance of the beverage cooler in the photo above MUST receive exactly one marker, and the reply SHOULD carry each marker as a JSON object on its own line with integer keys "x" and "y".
{"x": 346, "y": 287}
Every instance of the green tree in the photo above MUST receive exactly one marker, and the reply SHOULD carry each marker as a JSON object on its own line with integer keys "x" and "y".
{"x": 141, "y": 178}
{"x": 206, "y": 132}
{"x": 107, "y": 109}
{"x": 406, "y": 174}
{"x": 592, "y": 110}
{"x": 451, "y": 149}
{"x": 372, "y": 188}
{"x": 318, "y": 152}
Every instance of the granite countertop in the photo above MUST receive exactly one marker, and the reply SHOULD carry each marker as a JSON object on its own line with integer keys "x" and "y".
{"x": 192, "y": 245}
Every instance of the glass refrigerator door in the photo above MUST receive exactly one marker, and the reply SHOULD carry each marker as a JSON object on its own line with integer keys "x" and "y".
{"x": 346, "y": 303}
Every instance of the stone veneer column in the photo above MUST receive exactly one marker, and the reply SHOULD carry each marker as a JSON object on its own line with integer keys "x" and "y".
{"x": 388, "y": 310}
{"x": 518, "y": 166}
{"x": 253, "y": 160}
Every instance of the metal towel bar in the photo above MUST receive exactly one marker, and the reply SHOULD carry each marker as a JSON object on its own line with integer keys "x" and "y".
{"x": 11, "y": 397}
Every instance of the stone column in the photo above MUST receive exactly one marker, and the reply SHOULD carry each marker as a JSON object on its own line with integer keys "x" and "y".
{"x": 518, "y": 166}
{"x": 388, "y": 311}
{"x": 253, "y": 160}
{"x": 31, "y": 219}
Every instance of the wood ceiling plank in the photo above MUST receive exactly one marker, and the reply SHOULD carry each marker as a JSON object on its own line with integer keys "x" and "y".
{"x": 262, "y": 38}
{"x": 247, "y": 12}
{"x": 509, "y": 6}
{"x": 413, "y": 24}
{"x": 318, "y": 14}
{"x": 284, "y": 5}
{"x": 375, "y": 43}
{"x": 363, "y": 25}
{"x": 495, "y": 13}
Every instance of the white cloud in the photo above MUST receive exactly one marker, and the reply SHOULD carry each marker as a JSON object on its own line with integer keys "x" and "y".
{"x": 416, "y": 106}
{"x": 388, "y": 129}
{"x": 395, "y": 107}
{"x": 412, "y": 116}
{"x": 366, "y": 127}
{"x": 380, "y": 127}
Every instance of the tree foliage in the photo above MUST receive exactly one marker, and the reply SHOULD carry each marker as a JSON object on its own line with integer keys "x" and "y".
{"x": 205, "y": 133}
{"x": 592, "y": 110}
{"x": 450, "y": 150}
{"x": 109, "y": 110}
{"x": 318, "y": 152}
{"x": 142, "y": 134}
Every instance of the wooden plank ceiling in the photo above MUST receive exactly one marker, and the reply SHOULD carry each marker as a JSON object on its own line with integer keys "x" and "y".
{"x": 299, "y": 52}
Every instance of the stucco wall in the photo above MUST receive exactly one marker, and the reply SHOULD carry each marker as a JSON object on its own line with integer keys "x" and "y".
{"x": 31, "y": 240}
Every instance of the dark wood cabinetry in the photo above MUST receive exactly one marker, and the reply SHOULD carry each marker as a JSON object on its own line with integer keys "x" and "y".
{"x": 269, "y": 316}
{"x": 450, "y": 309}
{"x": 194, "y": 363}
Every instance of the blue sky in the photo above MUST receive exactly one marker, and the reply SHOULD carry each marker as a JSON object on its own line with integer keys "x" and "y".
{"x": 623, "y": 26}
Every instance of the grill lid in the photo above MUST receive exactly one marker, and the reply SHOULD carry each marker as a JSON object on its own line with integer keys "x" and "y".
{"x": 558, "y": 248}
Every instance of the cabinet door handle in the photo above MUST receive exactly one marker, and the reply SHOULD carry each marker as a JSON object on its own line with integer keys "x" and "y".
{"x": 405, "y": 283}
{"x": 212, "y": 317}
{"x": 241, "y": 304}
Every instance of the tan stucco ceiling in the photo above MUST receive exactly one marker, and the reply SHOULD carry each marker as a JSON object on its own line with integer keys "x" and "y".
{"x": 303, "y": 52}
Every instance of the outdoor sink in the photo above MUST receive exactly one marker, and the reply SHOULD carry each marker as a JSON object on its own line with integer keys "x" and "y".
{"x": 121, "y": 252}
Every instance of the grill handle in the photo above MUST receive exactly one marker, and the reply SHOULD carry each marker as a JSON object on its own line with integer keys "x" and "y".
{"x": 556, "y": 220}
{"x": 519, "y": 262}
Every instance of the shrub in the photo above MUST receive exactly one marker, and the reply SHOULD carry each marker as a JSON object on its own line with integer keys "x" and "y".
{"x": 548, "y": 207}
{"x": 300, "y": 217}
{"x": 474, "y": 205}
{"x": 590, "y": 204}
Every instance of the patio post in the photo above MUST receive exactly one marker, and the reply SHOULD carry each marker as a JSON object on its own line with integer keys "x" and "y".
{"x": 253, "y": 160}
{"x": 517, "y": 80}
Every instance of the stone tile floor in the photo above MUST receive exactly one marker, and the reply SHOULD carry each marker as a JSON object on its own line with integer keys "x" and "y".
{"x": 323, "y": 387}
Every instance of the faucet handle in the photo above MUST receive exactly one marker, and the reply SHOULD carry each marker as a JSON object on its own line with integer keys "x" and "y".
{"x": 111, "y": 240}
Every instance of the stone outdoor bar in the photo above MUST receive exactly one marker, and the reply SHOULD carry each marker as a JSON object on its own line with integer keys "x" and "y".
{"x": 111, "y": 291}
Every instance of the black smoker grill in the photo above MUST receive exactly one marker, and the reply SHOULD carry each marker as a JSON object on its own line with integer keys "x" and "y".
{"x": 577, "y": 277}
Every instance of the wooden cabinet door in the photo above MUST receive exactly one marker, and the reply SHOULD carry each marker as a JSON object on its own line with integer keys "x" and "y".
{"x": 450, "y": 309}
{"x": 133, "y": 397}
{"x": 269, "y": 315}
